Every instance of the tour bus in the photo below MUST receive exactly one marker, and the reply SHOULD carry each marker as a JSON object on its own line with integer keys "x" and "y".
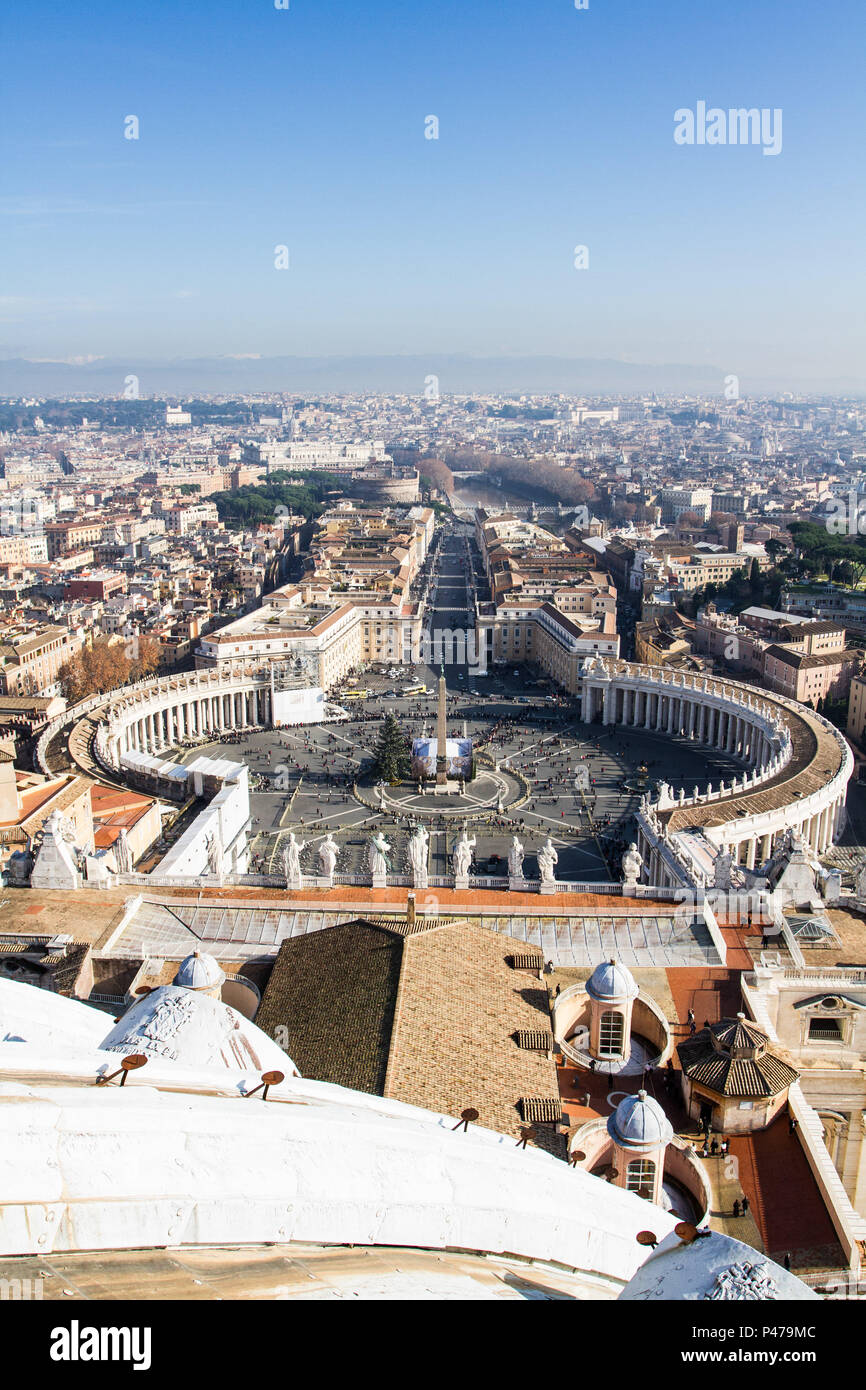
{"x": 415, "y": 690}
{"x": 357, "y": 694}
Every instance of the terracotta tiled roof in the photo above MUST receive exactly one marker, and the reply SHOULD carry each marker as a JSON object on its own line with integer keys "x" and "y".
{"x": 334, "y": 992}
{"x": 710, "y": 1058}
{"x": 430, "y": 1016}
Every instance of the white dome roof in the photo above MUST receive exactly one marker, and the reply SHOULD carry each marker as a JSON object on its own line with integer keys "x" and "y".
{"x": 46, "y": 1020}
{"x": 611, "y": 980}
{"x": 185, "y": 1026}
{"x": 199, "y": 971}
{"x": 714, "y": 1266}
{"x": 640, "y": 1123}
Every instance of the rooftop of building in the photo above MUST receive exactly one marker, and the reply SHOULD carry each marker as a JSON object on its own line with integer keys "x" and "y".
{"x": 437, "y": 1017}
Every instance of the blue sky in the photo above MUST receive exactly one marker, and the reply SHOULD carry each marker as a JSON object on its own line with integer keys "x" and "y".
{"x": 305, "y": 127}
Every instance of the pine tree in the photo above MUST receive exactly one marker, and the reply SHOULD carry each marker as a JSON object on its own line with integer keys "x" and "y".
{"x": 391, "y": 759}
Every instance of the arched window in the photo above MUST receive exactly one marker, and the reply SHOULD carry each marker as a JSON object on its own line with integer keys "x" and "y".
{"x": 610, "y": 1034}
{"x": 641, "y": 1172}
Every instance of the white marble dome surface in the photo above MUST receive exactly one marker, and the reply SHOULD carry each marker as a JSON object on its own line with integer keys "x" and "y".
{"x": 185, "y": 1026}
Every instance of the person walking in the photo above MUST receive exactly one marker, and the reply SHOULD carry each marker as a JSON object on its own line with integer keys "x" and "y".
{"x": 745, "y": 1205}
{"x": 793, "y": 1125}
{"x": 736, "y": 1208}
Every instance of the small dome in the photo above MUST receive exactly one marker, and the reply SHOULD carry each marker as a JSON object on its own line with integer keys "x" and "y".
{"x": 640, "y": 1123}
{"x": 193, "y": 1029}
{"x": 199, "y": 971}
{"x": 611, "y": 980}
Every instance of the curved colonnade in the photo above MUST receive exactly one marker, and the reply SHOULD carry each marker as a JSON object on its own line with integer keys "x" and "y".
{"x": 154, "y": 716}
{"x": 796, "y": 765}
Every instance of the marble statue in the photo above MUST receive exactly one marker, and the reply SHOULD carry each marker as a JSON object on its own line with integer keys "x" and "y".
{"x": 215, "y": 854}
{"x": 418, "y": 842}
{"x": 722, "y": 869}
{"x": 377, "y": 851}
{"x": 123, "y": 852}
{"x": 547, "y": 860}
{"x": 292, "y": 858}
{"x": 462, "y": 856}
{"x": 632, "y": 863}
{"x": 515, "y": 858}
{"x": 328, "y": 851}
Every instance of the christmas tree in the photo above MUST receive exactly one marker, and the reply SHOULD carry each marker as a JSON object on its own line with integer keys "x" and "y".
{"x": 391, "y": 761}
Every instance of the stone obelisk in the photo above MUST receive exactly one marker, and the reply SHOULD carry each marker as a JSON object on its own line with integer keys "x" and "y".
{"x": 441, "y": 735}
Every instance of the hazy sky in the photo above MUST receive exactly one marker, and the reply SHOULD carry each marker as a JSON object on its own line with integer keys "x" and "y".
{"x": 306, "y": 128}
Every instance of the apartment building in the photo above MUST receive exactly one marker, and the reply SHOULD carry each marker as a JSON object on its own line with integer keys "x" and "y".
{"x": 23, "y": 549}
{"x": 30, "y": 661}
{"x": 804, "y": 660}
{"x": 674, "y": 501}
{"x": 856, "y": 727}
{"x": 65, "y": 536}
{"x": 712, "y": 567}
{"x": 332, "y": 634}
{"x": 184, "y": 517}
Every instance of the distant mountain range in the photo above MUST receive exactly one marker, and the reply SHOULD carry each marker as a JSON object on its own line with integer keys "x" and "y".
{"x": 456, "y": 374}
